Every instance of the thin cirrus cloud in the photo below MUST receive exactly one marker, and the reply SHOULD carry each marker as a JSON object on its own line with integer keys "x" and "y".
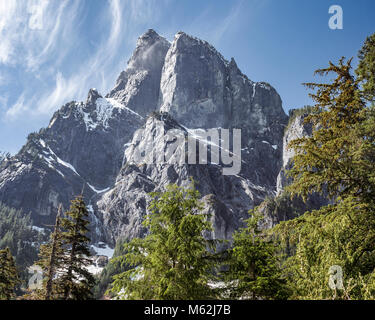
{"x": 32, "y": 33}
{"x": 7, "y": 12}
{"x": 53, "y": 51}
{"x": 27, "y": 30}
{"x": 46, "y": 34}
{"x": 227, "y": 23}
{"x": 236, "y": 11}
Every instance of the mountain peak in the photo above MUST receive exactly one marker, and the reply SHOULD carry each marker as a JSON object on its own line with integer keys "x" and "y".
{"x": 184, "y": 36}
{"x": 149, "y": 38}
{"x": 186, "y": 85}
{"x": 150, "y": 33}
{"x": 92, "y": 96}
{"x": 233, "y": 63}
{"x": 183, "y": 40}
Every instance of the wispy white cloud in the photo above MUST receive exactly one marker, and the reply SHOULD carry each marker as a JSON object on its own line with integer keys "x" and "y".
{"x": 54, "y": 37}
{"x": 31, "y": 33}
{"x": 75, "y": 86}
{"x": 25, "y": 28}
{"x": 123, "y": 16}
{"x": 50, "y": 19}
{"x": 36, "y": 9}
{"x": 17, "y": 108}
{"x": 8, "y": 11}
{"x": 228, "y": 22}
{"x": 214, "y": 27}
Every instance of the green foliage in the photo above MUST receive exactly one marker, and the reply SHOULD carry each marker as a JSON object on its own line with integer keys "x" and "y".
{"x": 330, "y": 160}
{"x": 8, "y": 275}
{"x": 174, "y": 261}
{"x": 366, "y": 68}
{"x": 51, "y": 259}
{"x": 114, "y": 267}
{"x": 339, "y": 234}
{"x": 74, "y": 280}
{"x": 294, "y": 113}
{"x": 338, "y": 161}
{"x": 65, "y": 258}
{"x": 254, "y": 265}
{"x": 16, "y": 233}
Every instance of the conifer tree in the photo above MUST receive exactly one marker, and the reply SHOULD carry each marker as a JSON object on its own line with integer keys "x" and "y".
{"x": 75, "y": 281}
{"x": 51, "y": 258}
{"x": 366, "y": 68}
{"x": 254, "y": 265}
{"x": 17, "y": 234}
{"x": 173, "y": 261}
{"x": 8, "y": 275}
{"x": 329, "y": 160}
{"x": 338, "y": 161}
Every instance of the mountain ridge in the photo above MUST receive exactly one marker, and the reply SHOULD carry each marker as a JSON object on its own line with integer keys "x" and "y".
{"x": 86, "y": 144}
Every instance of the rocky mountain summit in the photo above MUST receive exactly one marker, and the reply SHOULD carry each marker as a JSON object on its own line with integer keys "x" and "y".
{"x": 89, "y": 147}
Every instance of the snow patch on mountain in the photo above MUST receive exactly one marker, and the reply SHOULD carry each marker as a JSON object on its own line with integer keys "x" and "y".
{"x": 103, "y": 250}
{"x": 52, "y": 157}
{"x": 103, "y": 113}
{"x": 96, "y": 190}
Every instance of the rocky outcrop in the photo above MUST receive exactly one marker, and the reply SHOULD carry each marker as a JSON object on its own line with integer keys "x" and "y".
{"x": 138, "y": 86}
{"x": 80, "y": 151}
{"x": 226, "y": 198}
{"x": 90, "y": 147}
{"x": 296, "y": 129}
{"x": 200, "y": 89}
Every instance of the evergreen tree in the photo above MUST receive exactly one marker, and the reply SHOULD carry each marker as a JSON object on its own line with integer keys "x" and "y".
{"x": 105, "y": 278}
{"x": 8, "y": 275}
{"x": 366, "y": 68}
{"x": 254, "y": 265}
{"x": 51, "y": 258}
{"x": 174, "y": 261}
{"x": 74, "y": 280}
{"x": 16, "y": 233}
{"x": 330, "y": 161}
{"x": 335, "y": 235}
{"x": 338, "y": 160}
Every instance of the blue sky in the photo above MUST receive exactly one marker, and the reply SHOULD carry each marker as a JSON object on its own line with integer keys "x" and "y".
{"x": 54, "y": 51}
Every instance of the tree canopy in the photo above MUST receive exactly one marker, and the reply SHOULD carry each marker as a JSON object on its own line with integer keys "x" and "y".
{"x": 175, "y": 260}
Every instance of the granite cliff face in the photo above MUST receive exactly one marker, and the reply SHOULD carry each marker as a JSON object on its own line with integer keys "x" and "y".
{"x": 283, "y": 207}
{"x": 296, "y": 129}
{"x": 138, "y": 86}
{"x": 226, "y": 197}
{"x": 90, "y": 146}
